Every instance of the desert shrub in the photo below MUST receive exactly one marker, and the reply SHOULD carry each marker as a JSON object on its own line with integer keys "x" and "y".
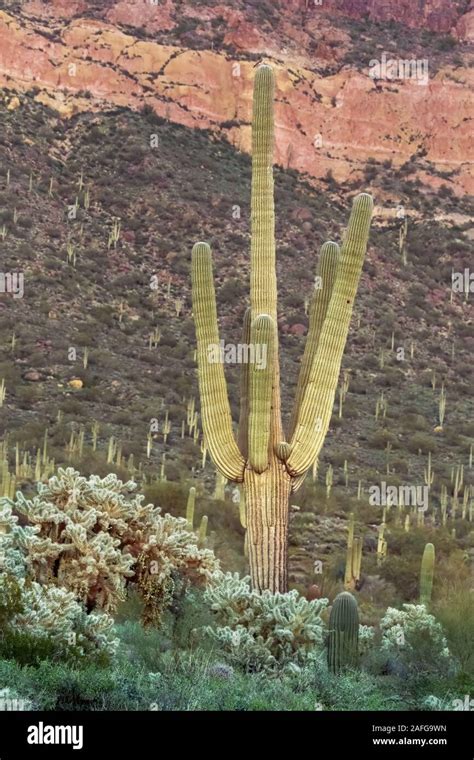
{"x": 61, "y": 686}
{"x": 455, "y": 611}
{"x": 403, "y": 572}
{"x": 422, "y": 442}
{"x": 263, "y": 631}
{"x": 380, "y": 438}
{"x": 413, "y": 640}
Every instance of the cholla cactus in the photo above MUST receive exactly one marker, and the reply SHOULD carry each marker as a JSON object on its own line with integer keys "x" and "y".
{"x": 41, "y": 610}
{"x": 366, "y": 639}
{"x": 271, "y": 465}
{"x": 414, "y": 637}
{"x": 92, "y": 536}
{"x": 264, "y": 631}
{"x": 54, "y": 612}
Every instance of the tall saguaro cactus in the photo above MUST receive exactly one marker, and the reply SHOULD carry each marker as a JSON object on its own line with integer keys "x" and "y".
{"x": 269, "y": 465}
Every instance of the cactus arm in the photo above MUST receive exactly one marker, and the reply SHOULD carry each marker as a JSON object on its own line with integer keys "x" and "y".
{"x": 260, "y": 392}
{"x": 215, "y": 409}
{"x": 297, "y": 482}
{"x": 326, "y": 269}
{"x": 314, "y": 413}
{"x": 244, "y": 389}
{"x": 263, "y": 284}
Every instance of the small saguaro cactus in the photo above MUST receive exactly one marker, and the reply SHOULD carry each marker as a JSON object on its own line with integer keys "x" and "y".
{"x": 428, "y": 472}
{"x": 343, "y": 635}
{"x": 190, "y": 507}
{"x": 270, "y": 465}
{"x": 329, "y": 480}
{"x": 203, "y": 529}
{"x": 381, "y": 545}
{"x": 353, "y": 557}
{"x": 402, "y": 240}
{"x": 426, "y": 574}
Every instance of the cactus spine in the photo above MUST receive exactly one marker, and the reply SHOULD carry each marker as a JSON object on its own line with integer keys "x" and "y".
{"x": 426, "y": 575}
{"x": 343, "y": 636}
{"x": 270, "y": 466}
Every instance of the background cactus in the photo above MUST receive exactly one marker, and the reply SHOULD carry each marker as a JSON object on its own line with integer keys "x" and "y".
{"x": 270, "y": 466}
{"x": 190, "y": 508}
{"x": 353, "y": 557}
{"x": 426, "y": 574}
{"x": 343, "y": 635}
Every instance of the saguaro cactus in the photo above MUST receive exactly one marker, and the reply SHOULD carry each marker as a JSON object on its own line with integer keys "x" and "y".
{"x": 269, "y": 465}
{"x": 426, "y": 574}
{"x": 353, "y": 557}
{"x": 190, "y": 507}
{"x": 343, "y": 636}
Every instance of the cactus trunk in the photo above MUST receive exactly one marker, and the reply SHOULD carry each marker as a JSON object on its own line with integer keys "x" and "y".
{"x": 267, "y": 497}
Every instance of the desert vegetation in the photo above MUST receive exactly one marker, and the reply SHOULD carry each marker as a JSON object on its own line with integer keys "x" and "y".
{"x": 152, "y": 555}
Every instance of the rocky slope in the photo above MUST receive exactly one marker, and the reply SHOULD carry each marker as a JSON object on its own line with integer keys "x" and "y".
{"x": 193, "y": 64}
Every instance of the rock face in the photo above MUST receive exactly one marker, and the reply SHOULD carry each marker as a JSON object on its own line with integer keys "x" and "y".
{"x": 435, "y": 15}
{"x": 89, "y": 55}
